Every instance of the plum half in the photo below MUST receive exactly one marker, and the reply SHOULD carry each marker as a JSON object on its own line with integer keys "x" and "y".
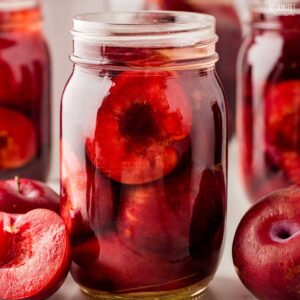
{"x": 87, "y": 196}
{"x": 139, "y": 121}
{"x": 18, "y": 141}
{"x": 179, "y": 216}
{"x": 34, "y": 255}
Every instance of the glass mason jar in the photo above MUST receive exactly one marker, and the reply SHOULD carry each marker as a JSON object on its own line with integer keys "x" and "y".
{"x": 144, "y": 155}
{"x": 269, "y": 99}
{"x": 229, "y": 30}
{"x": 24, "y": 91}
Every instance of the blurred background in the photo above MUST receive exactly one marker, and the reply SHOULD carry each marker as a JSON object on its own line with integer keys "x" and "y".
{"x": 57, "y": 25}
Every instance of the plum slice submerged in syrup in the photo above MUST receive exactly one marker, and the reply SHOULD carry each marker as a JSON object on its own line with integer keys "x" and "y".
{"x": 18, "y": 141}
{"x": 283, "y": 127}
{"x": 144, "y": 113}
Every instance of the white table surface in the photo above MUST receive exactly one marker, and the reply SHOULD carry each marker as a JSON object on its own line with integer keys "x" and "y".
{"x": 226, "y": 285}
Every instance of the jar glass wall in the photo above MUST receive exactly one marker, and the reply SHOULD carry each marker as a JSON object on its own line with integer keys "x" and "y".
{"x": 269, "y": 99}
{"x": 229, "y": 31}
{"x": 24, "y": 92}
{"x": 144, "y": 155}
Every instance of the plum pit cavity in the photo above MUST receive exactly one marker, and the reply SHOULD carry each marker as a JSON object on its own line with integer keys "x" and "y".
{"x": 18, "y": 248}
{"x": 283, "y": 231}
{"x": 3, "y": 140}
{"x": 138, "y": 122}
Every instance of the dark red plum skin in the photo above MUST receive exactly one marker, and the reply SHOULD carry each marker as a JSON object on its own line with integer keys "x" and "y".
{"x": 180, "y": 234}
{"x": 129, "y": 270}
{"x": 266, "y": 247}
{"x": 31, "y": 195}
{"x": 182, "y": 214}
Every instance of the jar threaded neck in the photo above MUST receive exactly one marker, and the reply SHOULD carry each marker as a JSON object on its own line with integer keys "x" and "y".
{"x": 175, "y": 35}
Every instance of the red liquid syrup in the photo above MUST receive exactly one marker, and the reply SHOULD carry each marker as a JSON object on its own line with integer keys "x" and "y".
{"x": 24, "y": 96}
{"x": 269, "y": 105}
{"x": 230, "y": 37}
{"x": 143, "y": 174}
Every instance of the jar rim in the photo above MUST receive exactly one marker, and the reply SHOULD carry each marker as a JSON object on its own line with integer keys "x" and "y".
{"x": 145, "y": 28}
{"x": 7, "y": 5}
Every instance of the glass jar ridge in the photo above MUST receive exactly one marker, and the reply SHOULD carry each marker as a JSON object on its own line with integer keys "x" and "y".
{"x": 185, "y": 33}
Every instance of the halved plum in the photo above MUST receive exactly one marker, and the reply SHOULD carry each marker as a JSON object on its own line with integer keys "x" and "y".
{"x": 18, "y": 141}
{"x": 37, "y": 256}
{"x": 170, "y": 216}
{"x": 144, "y": 114}
{"x": 87, "y": 197}
{"x": 101, "y": 198}
{"x": 156, "y": 217}
{"x": 122, "y": 270}
{"x": 208, "y": 220}
{"x": 283, "y": 126}
{"x": 73, "y": 192}
{"x": 86, "y": 252}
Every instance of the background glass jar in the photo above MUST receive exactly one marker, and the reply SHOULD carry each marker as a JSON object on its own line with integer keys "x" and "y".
{"x": 144, "y": 155}
{"x": 24, "y": 91}
{"x": 229, "y": 31}
{"x": 269, "y": 99}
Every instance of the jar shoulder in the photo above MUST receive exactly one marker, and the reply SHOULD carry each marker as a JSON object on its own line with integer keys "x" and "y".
{"x": 92, "y": 83}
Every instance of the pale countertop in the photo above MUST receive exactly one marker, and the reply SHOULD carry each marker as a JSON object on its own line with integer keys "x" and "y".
{"x": 226, "y": 285}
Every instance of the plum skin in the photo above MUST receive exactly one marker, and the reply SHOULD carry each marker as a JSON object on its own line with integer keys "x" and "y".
{"x": 266, "y": 247}
{"x": 31, "y": 195}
